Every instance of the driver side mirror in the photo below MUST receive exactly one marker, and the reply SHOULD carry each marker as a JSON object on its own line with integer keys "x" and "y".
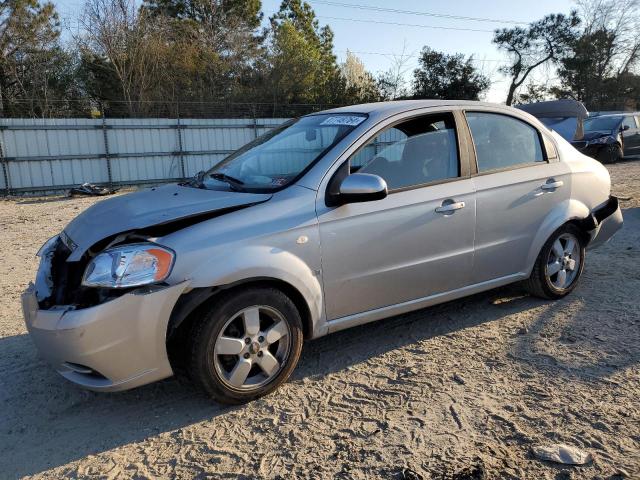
{"x": 624, "y": 128}
{"x": 362, "y": 187}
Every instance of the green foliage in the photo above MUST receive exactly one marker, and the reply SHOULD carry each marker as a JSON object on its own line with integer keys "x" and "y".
{"x": 35, "y": 72}
{"x": 442, "y": 76}
{"x": 202, "y": 11}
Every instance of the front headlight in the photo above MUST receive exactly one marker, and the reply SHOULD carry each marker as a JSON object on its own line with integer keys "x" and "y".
{"x": 129, "y": 266}
{"x": 601, "y": 140}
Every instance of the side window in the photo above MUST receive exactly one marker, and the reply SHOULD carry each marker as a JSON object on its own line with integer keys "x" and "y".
{"x": 415, "y": 152}
{"x": 630, "y": 121}
{"x": 502, "y": 141}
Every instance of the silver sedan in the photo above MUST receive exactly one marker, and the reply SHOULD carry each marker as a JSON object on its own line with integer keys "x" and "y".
{"x": 332, "y": 220}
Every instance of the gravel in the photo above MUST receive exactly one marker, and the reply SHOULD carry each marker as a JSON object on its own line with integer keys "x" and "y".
{"x": 438, "y": 392}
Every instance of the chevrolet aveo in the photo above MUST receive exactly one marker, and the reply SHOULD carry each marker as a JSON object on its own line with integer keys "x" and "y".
{"x": 329, "y": 221}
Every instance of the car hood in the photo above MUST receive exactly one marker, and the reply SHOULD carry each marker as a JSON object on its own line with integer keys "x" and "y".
{"x": 148, "y": 208}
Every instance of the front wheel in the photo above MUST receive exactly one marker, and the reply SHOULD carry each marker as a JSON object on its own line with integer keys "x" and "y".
{"x": 246, "y": 345}
{"x": 610, "y": 154}
{"x": 559, "y": 264}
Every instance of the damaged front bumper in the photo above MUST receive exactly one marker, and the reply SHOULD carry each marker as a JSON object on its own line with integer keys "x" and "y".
{"x": 112, "y": 346}
{"x": 604, "y": 222}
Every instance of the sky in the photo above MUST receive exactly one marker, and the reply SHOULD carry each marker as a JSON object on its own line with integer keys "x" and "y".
{"x": 377, "y": 37}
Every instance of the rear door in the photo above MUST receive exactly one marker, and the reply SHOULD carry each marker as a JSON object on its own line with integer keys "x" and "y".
{"x": 518, "y": 181}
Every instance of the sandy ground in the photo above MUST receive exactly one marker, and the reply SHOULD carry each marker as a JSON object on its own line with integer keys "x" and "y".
{"x": 474, "y": 382}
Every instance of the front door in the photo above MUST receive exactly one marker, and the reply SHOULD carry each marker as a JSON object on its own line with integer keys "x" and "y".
{"x": 416, "y": 242}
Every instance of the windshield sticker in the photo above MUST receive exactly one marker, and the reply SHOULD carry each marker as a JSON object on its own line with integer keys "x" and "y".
{"x": 278, "y": 182}
{"x": 348, "y": 120}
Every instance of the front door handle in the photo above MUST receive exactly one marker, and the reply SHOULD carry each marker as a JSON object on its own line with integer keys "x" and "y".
{"x": 552, "y": 185}
{"x": 449, "y": 206}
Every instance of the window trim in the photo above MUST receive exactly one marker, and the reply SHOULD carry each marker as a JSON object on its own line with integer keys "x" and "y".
{"x": 541, "y": 140}
{"x": 463, "y": 166}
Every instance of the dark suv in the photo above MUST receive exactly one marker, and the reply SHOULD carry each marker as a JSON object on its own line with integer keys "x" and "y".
{"x": 609, "y": 138}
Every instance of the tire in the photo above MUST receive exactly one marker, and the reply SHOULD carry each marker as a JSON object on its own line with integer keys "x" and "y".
{"x": 236, "y": 316}
{"x": 543, "y": 282}
{"x": 610, "y": 154}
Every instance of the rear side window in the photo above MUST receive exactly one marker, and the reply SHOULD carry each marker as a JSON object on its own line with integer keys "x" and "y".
{"x": 419, "y": 151}
{"x": 503, "y": 142}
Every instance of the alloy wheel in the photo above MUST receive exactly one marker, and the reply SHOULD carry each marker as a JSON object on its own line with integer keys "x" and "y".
{"x": 564, "y": 260}
{"x": 251, "y": 348}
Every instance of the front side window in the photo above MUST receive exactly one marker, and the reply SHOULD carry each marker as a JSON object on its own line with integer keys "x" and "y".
{"x": 279, "y": 157}
{"x": 503, "y": 142}
{"x": 629, "y": 121}
{"x": 415, "y": 152}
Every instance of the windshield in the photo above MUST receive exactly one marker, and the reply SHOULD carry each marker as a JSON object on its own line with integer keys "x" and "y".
{"x": 594, "y": 124}
{"x": 279, "y": 157}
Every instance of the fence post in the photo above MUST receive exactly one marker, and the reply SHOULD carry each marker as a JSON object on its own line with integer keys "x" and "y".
{"x": 5, "y": 171}
{"x": 255, "y": 122}
{"x": 180, "y": 151}
{"x": 106, "y": 146}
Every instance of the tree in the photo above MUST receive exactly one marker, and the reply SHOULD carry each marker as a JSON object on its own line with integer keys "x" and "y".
{"x": 392, "y": 84}
{"x": 124, "y": 40}
{"x": 533, "y": 93}
{"x": 443, "y": 76}
{"x": 303, "y": 68}
{"x": 600, "y": 68}
{"x": 546, "y": 40}
{"x": 208, "y": 11}
{"x": 359, "y": 83}
{"x": 35, "y": 72}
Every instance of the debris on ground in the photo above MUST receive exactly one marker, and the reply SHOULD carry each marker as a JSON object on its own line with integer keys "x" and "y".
{"x": 89, "y": 189}
{"x": 457, "y": 378}
{"x": 560, "y": 453}
{"x": 455, "y": 415}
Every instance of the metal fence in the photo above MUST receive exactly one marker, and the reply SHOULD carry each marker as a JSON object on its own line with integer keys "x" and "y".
{"x": 47, "y": 155}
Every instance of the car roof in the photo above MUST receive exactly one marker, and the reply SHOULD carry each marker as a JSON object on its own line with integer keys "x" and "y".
{"x": 622, "y": 114}
{"x": 399, "y": 106}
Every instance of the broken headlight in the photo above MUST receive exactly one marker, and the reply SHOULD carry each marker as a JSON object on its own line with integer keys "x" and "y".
{"x": 129, "y": 266}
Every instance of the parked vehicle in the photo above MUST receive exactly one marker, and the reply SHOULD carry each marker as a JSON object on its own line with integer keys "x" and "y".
{"x": 332, "y": 220}
{"x": 566, "y": 117}
{"x": 610, "y": 138}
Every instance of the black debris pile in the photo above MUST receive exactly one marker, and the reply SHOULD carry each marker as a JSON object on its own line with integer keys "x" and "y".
{"x": 91, "y": 190}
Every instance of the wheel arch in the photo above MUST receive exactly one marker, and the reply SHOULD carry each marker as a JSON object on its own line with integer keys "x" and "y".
{"x": 570, "y": 211}
{"x": 189, "y": 304}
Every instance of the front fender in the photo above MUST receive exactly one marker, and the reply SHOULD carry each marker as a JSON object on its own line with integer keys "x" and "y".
{"x": 265, "y": 262}
{"x": 562, "y": 213}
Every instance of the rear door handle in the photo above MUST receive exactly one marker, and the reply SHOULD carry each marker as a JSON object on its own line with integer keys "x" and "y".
{"x": 552, "y": 185}
{"x": 450, "y": 206}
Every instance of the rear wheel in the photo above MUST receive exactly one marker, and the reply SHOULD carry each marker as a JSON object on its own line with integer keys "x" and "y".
{"x": 559, "y": 264}
{"x": 247, "y": 345}
{"x": 610, "y": 154}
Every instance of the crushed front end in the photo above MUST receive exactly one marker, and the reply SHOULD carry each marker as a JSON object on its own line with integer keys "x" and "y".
{"x": 99, "y": 338}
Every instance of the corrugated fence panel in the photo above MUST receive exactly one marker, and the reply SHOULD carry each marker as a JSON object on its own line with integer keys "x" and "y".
{"x": 42, "y": 154}
{"x": 47, "y": 153}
